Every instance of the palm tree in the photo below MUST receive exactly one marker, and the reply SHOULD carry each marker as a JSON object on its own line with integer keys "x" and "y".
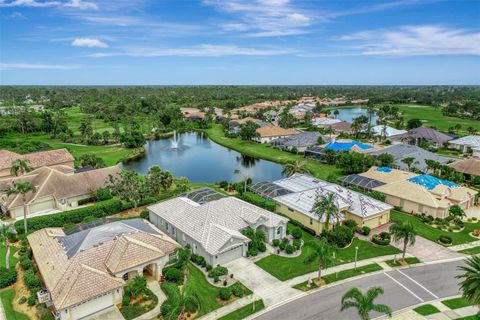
{"x": 22, "y": 188}
{"x": 354, "y": 298}
{"x": 325, "y": 208}
{"x": 4, "y": 232}
{"x": 408, "y": 161}
{"x": 403, "y": 231}
{"x": 294, "y": 167}
{"x": 19, "y": 166}
{"x": 470, "y": 285}
{"x": 322, "y": 252}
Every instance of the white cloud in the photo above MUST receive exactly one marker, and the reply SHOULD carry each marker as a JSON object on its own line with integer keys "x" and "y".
{"x": 75, "y": 4}
{"x": 9, "y": 66}
{"x": 204, "y": 50}
{"x": 263, "y": 18}
{"x": 89, "y": 42}
{"x": 418, "y": 40}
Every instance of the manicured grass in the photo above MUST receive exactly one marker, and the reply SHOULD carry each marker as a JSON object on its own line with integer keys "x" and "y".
{"x": 474, "y": 250}
{"x": 457, "y": 303}
{"x": 392, "y": 263}
{"x": 244, "y": 311}
{"x": 206, "y": 293}
{"x": 75, "y": 118}
{"x": 432, "y": 233}
{"x": 285, "y": 268}
{"x": 426, "y": 310}
{"x": 342, "y": 275}
{"x": 264, "y": 151}
{"x": 6, "y": 298}
{"x": 3, "y": 252}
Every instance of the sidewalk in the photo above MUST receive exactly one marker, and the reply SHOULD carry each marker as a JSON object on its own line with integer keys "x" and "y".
{"x": 237, "y": 304}
{"x": 464, "y": 246}
{"x": 155, "y": 287}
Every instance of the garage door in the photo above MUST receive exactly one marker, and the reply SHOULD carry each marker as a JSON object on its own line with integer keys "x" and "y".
{"x": 230, "y": 255}
{"x": 42, "y": 206}
{"x": 89, "y": 308}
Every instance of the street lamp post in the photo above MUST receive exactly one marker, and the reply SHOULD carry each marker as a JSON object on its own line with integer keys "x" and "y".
{"x": 356, "y": 256}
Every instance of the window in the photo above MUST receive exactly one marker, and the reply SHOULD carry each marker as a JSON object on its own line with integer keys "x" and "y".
{"x": 311, "y": 221}
{"x": 290, "y": 209}
{"x": 125, "y": 276}
{"x": 173, "y": 230}
{"x": 167, "y": 226}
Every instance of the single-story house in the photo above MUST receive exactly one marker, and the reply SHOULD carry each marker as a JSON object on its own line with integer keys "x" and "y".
{"x": 35, "y": 160}
{"x": 463, "y": 144}
{"x": 234, "y": 125}
{"x": 416, "y": 136}
{"x": 84, "y": 271}
{"x": 300, "y": 141}
{"x": 386, "y": 131}
{"x": 296, "y": 197}
{"x": 213, "y": 228}
{"x": 339, "y": 127}
{"x": 318, "y": 152}
{"x": 419, "y": 193}
{"x": 469, "y": 167}
{"x": 269, "y": 133}
{"x": 402, "y": 151}
{"x": 57, "y": 188}
{"x": 324, "y": 121}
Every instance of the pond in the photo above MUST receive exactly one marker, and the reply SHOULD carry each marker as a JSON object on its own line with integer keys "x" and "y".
{"x": 348, "y": 114}
{"x": 200, "y": 159}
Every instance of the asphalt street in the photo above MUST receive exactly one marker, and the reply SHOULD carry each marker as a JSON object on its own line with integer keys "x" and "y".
{"x": 403, "y": 288}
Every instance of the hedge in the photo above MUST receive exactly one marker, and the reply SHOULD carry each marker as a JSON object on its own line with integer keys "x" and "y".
{"x": 303, "y": 227}
{"x": 7, "y": 277}
{"x": 258, "y": 201}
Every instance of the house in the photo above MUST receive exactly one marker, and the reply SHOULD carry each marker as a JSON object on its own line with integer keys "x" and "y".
{"x": 270, "y": 133}
{"x": 318, "y": 152}
{"x": 35, "y": 160}
{"x": 57, "y": 188}
{"x": 234, "y": 125}
{"x": 467, "y": 143}
{"x": 212, "y": 224}
{"x": 419, "y": 193}
{"x": 84, "y": 271}
{"x": 386, "y": 131}
{"x": 324, "y": 121}
{"x": 402, "y": 151}
{"x": 416, "y": 136}
{"x": 300, "y": 141}
{"x": 339, "y": 127}
{"x": 469, "y": 167}
{"x": 296, "y": 197}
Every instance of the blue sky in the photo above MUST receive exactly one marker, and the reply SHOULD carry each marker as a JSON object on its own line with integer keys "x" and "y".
{"x": 260, "y": 42}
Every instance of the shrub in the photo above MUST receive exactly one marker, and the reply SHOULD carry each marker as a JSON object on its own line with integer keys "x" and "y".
{"x": 174, "y": 275}
{"x": 297, "y": 243}
{"x": 252, "y": 252}
{"x": 282, "y": 245}
{"x": 262, "y": 247}
{"x": 289, "y": 249}
{"x": 31, "y": 280}
{"x": 381, "y": 239}
{"x": 340, "y": 236}
{"x": 200, "y": 261}
{"x": 89, "y": 219}
{"x": 145, "y": 214}
{"x": 32, "y": 300}
{"x": 225, "y": 294}
{"x": 7, "y": 277}
{"x": 223, "y": 184}
{"x": 237, "y": 291}
{"x": 68, "y": 226}
{"x": 218, "y": 271}
{"x": 275, "y": 242}
{"x": 296, "y": 233}
{"x": 208, "y": 267}
{"x": 366, "y": 230}
{"x": 12, "y": 237}
{"x": 25, "y": 263}
{"x": 22, "y": 300}
{"x": 304, "y": 228}
{"x": 258, "y": 201}
{"x": 476, "y": 232}
{"x": 446, "y": 240}
{"x": 126, "y": 298}
{"x": 350, "y": 223}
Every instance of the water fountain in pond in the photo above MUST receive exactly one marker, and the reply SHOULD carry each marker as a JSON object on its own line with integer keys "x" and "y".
{"x": 174, "y": 140}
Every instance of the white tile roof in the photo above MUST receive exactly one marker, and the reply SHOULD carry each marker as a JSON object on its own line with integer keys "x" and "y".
{"x": 472, "y": 141}
{"x": 214, "y": 223}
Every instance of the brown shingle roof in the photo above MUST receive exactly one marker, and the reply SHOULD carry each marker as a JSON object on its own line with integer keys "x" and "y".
{"x": 274, "y": 131}
{"x": 36, "y": 159}
{"x": 468, "y": 166}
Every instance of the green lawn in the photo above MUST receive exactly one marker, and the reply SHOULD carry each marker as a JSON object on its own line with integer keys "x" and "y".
{"x": 474, "y": 250}
{"x": 457, "y": 303}
{"x": 244, "y": 311}
{"x": 6, "y": 297}
{"x": 206, "y": 293}
{"x": 285, "y": 268}
{"x": 432, "y": 233}
{"x": 264, "y": 151}
{"x": 342, "y": 275}
{"x": 426, "y": 310}
{"x": 392, "y": 263}
{"x": 75, "y": 117}
{"x": 3, "y": 252}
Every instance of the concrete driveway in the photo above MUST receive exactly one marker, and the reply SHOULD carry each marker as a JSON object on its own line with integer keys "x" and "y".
{"x": 110, "y": 314}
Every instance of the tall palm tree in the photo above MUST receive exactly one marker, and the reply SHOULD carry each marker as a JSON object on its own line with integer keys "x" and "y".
{"x": 4, "y": 231}
{"x": 325, "y": 208}
{"x": 294, "y": 167}
{"x": 403, "y": 231}
{"x": 364, "y": 303}
{"x": 19, "y": 166}
{"x": 22, "y": 188}
{"x": 322, "y": 252}
{"x": 470, "y": 285}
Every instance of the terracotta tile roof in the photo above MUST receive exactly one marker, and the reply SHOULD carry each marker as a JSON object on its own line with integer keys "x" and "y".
{"x": 274, "y": 131}
{"x": 89, "y": 273}
{"x": 36, "y": 159}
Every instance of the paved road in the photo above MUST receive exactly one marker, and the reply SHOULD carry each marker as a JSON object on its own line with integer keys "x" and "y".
{"x": 403, "y": 288}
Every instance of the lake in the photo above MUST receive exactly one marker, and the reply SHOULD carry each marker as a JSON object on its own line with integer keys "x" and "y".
{"x": 201, "y": 160}
{"x": 347, "y": 114}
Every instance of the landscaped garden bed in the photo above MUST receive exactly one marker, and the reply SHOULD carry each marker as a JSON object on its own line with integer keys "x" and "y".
{"x": 457, "y": 303}
{"x": 137, "y": 299}
{"x": 399, "y": 262}
{"x": 244, "y": 311}
{"x": 426, "y": 310}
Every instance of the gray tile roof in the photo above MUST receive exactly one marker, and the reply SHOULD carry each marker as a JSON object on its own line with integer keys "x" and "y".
{"x": 424, "y": 133}
{"x": 401, "y": 151}
{"x": 304, "y": 139}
